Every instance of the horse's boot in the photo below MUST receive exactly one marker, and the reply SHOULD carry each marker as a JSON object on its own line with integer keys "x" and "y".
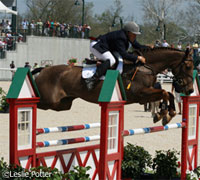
{"x": 100, "y": 71}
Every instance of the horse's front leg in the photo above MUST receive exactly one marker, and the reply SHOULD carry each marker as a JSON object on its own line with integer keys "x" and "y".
{"x": 152, "y": 95}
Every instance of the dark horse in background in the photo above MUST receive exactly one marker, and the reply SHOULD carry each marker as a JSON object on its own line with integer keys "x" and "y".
{"x": 60, "y": 85}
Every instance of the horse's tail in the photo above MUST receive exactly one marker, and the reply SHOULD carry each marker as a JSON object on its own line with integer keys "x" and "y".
{"x": 37, "y": 70}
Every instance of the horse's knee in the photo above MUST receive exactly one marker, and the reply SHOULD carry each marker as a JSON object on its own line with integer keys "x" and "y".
{"x": 166, "y": 119}
{"x": 165, "y": 95}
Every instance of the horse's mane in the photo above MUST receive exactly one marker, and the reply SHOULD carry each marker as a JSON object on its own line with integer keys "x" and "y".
{"x": 159, "y": 49}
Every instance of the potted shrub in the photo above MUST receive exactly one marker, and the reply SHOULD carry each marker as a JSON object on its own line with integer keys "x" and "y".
{"x": 135, "y": 161}
{"x": 193, "y": 175}
{"x": 4, "y": 106}
{"x": 79, "y": 173}
{"x": 165, "y": 164}
{"x": 72, "y": 61}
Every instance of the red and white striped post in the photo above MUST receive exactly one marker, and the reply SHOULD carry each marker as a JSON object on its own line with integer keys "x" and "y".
{"x": 112, "y": 100}
{"x": 23, "y": 97}
{"x": 190, "y": 134}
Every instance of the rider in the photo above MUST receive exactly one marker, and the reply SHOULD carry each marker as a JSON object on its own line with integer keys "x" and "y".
{"x": 116, "y": 41}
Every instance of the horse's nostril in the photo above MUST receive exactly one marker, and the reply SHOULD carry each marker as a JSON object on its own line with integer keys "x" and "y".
{"x": 191, "y": 91}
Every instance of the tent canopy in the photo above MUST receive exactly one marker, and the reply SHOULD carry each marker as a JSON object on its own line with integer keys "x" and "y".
{"x": 4, "y": 9}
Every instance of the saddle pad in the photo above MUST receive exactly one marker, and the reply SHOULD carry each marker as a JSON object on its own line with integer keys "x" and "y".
{"x": 88, "y": 72}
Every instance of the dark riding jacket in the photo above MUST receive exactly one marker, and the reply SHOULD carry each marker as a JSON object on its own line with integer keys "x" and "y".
{"x": 117, "y": 41}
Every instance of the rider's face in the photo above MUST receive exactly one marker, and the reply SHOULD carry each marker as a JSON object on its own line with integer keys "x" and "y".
{"x": 131, "y": 36}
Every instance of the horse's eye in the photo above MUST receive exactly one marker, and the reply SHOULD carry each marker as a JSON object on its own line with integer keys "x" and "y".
{"x": 180, "y": 81}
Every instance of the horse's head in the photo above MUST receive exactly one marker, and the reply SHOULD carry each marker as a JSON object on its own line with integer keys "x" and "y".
{"x": 183, "y": 74}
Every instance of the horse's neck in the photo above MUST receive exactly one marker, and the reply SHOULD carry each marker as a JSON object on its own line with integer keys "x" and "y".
{"x": 163, "y": 60}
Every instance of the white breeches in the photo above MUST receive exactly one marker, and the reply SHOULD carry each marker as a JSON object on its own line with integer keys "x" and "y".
{"x": 105, "y": 56}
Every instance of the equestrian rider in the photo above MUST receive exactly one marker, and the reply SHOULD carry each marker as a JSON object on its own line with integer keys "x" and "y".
{"x": 116, "y": 41}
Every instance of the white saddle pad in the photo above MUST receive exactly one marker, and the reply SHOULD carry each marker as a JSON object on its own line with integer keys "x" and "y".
{"x": 88, "y": 72}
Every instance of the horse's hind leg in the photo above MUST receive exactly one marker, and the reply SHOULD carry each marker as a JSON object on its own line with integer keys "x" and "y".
{"x": 164, "y": 108}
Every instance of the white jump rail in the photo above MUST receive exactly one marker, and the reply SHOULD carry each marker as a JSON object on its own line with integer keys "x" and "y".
{"x": 8, "y": 69}
{"x": 165, "y": 78}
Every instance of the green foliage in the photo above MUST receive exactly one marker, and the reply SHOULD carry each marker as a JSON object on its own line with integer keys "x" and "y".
{"x": 3, "y": 167}
{"x": 165, "y": 163}
{"x": 47, "y": 173}
{"x": 136, "y": 160}
{"x": 72, "y": 61}
{"x": 41, "y": 173}
{"x": 79, "y": 173}
{"x": 193, "y": 175}
{"x": 3, "y": 103}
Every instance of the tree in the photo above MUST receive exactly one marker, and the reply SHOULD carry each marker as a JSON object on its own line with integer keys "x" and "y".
{"x": 191, "y": 19}
{"x": 110, "y": 19}
{"x": 58, "y": 10}
{"x": 159, "y": 13}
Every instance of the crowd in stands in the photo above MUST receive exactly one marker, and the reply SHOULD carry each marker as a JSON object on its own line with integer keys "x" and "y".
{"x": 54, "y": 28}
{"x": 8, "y": 39}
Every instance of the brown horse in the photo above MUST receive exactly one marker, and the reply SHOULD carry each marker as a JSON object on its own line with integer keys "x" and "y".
{"x": 60, "y": 85}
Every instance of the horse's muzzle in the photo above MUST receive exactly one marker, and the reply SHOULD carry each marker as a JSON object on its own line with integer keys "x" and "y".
{"x": 190, "y": 91}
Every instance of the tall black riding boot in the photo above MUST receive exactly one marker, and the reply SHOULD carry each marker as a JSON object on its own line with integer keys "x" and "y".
{"x": 101, "y": 70}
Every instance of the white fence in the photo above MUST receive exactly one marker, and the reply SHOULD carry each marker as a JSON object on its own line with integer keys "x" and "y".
{"x": 7, "y": 73}
{"x": 165, "y": 78}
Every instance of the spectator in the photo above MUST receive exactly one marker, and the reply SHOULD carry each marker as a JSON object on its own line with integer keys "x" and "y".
{"x": 12, "y": 66}
{"x": 71, "y": 31}
{"x": 62, "y": 30}
{"x": 188, "y": 46}
{"x": 47, "y": 28}
{"x": 165, "y": 44}
{"x": 51, "y": 28}
{"x": 32, "y": 27}
{"x": 25, "y": 24}
{"x": 2, "y": 44}
{"x": 35, "y": 66}
{"x": 56, "y": 28}
{"x": 3, "y": 28}
{"x": 195, "y": 49}
{"x": 87, "y": 31}
{"x": 9, "y": 44}
{"x": 195, "y": 55}
{"x": 39, "y": 27}
{"x": 179, "y": 46}
{"x": 7, "y": 27}
{"x": 155, "y": 105}
{"x": 20, "y": 38}
{"x": 172, "y": 45}
{"x": 178, "y": 98}
{"x": 157, "y": 43}
{"x": 27, "y": 65}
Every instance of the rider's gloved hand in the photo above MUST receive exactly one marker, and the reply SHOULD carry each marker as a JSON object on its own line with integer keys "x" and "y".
{"x": 141, "y": 59}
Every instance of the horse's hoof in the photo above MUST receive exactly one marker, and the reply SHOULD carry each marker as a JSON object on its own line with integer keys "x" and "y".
{"x": 172, "y": 113}
{"x": 166, "y": 119}
{"x": 156, "y": 118}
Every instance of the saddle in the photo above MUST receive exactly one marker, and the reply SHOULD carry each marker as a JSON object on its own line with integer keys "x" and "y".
{"x": 89, "y": 66}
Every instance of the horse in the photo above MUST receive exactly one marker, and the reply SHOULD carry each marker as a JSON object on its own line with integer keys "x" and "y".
{"x": 59, "y": 85}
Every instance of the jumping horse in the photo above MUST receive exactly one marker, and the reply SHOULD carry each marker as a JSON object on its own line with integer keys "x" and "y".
{"x": 59, "y": 85}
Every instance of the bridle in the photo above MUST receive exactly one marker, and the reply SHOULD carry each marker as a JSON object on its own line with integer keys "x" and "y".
{"x": 178, "y": 81}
